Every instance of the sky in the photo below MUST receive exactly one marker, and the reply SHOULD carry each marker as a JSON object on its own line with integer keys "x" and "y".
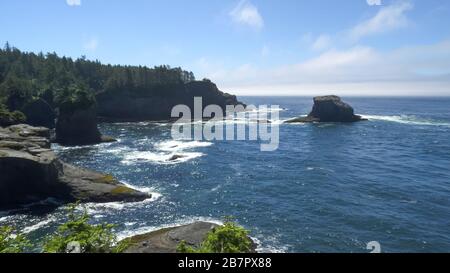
{"x": 253, "y": 47}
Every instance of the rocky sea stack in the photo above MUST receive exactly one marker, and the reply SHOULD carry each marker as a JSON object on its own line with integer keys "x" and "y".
{"x": 329, "y": 109}
{"x": 31, "y": 171}
{"x": 77, "y": 121}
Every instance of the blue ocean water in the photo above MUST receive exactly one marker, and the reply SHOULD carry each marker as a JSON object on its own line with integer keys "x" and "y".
{"x": 328, "y": 188}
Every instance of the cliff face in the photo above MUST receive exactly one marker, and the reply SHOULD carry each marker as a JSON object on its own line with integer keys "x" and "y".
{"x": 132, "y": 107}
{"x": 30, "y": 171}
{"x": 78, "y": 126}
{"x": 39, "y": 113}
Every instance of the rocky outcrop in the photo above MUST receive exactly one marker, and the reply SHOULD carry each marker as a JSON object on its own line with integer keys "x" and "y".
{"x": 329, "y": 109}
{"x": 30, "y": 171}
{"x": 166, "y": 240}
{"x": 157, "y": 104}
{"x": 39, "y": 113}
{"x": 78, "y": 126}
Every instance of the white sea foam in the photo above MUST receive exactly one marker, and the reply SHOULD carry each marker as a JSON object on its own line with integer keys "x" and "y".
{"x": 168, "y": 152}
{"x": 160, "y": 158}
{"x": 175, "y": 145}
{"x": 5, "y": 218}
{"x": 39, "y": 225}
{"x": 268, "y": 247}
{"x": 407, "y": 119}
{"x": 96, "y": 208}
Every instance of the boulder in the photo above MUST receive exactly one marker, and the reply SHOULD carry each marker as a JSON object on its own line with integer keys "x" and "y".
{"x": 30, "y": 171}
{"x": 329, "y": 109}
{"x": 166, "y": 240}
{"x": 39, "y": 113}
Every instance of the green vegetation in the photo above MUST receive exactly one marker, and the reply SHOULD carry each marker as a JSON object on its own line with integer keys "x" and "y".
{"x": 61, "y": 80}
{"x": 91, "y": 238}
{"x": 106, "y": 179}
{"x": 8, "y": 118}
{"x": 229, "y": 238}
{"x": 11, "y": 241}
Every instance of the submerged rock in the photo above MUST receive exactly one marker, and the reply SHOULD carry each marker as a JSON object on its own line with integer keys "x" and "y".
{"x": 166, "y": 240}
{"x": 176, "y": 157}
{"x": 329, "y": 109}
{"x": 30, "y": 171}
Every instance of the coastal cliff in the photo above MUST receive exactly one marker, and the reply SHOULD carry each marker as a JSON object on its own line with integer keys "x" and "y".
{"x": 156, "y": 106}
{"x": 31, "y": 171}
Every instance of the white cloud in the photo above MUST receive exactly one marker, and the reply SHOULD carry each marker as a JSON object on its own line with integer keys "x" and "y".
{"x": 265, "y": 51}
{"x": 388, "y": 18}
{"x": 374, "y": 2}
{"x": 73, "y": 2}
{"x": 245, "y": 13}
{"x": 91, "y": 44}
{"x": 321, "y": 43}
{"x": 360, "y": 70}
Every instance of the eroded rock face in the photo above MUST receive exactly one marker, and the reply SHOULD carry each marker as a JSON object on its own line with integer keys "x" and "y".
{"x": 30, "y": 171}
{"x": 39, "y": 113}
{"x": 158, "y": 105}
{"x": 167, "y": 240}
{"x": 329, "y": 109}
{"x": 77, "y": 127}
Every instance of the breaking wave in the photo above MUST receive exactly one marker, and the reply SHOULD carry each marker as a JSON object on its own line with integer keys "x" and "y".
{"x": 167, "y": 152}
{"x": 408, "y": 119}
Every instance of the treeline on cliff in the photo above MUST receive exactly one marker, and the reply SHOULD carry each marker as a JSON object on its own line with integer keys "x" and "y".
{"x": 26, "y": 77}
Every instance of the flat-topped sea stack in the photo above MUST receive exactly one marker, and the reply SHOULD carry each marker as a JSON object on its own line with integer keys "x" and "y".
{"x": 329, "y": 109}
{"x": 30, "y": 171}
{"x": 77, "y": 122}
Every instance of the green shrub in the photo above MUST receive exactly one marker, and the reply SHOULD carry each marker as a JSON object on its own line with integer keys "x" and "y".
{"x": 229, "y": 238}
{"x": 91, "y": 238}
{"x": 11, "y": 241}
{"x": 8, "y": 118}
{"x": 75, "y": 97}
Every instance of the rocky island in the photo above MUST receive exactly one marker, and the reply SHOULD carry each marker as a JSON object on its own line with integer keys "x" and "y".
{"x": 329, "y": 109}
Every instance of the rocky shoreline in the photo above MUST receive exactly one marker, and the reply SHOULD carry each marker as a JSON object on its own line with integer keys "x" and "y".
{"x": 31, "y": 172}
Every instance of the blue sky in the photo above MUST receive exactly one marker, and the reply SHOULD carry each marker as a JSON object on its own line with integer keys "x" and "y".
{"x": 253, "y": 47}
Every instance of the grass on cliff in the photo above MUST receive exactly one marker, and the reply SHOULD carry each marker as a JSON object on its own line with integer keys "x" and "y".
{"x": 229, "y": 238}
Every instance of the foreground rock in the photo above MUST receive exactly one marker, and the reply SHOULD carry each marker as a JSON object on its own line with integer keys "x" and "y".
{"x": 329, "y": 109}
{"x": 30, "y": 171}
{"x": 166, "y": 240}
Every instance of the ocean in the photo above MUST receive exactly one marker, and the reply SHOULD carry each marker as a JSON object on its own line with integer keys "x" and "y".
{"x": 328, "y": 188}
